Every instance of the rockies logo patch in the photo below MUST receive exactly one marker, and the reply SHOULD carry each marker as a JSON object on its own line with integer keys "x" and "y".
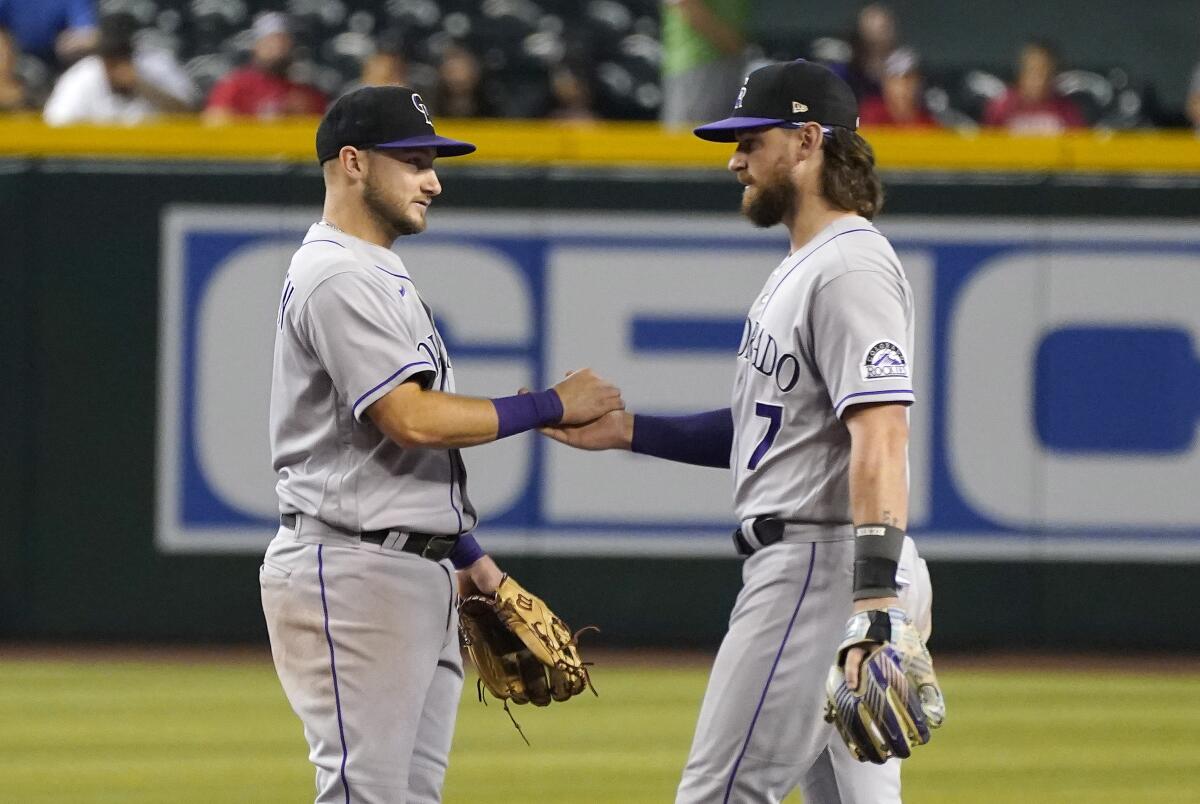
{"x": 883, "y": 361}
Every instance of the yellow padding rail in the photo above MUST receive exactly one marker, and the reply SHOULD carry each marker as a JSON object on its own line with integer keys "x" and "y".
{"x": 612, "y": 144}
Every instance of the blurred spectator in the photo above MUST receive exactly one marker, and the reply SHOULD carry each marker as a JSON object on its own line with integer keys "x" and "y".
{"x": 56, "y": 31}
{"x": 380, "y": 69}
{"x": 13, "y": 96}
{"x": 901, "y": 103}
{"x": 571, "y": 94}
{"x": 384, "y": 69}
{"x": 702, "y": 59}
{"x": 1032, "y": 106}
{"x": 118, "y": 85}
{"x": 873, "y": 40}
{"x": 460, "y": 85}
{"x": 1192, "y": 107}
{"x": 262, "y": 89}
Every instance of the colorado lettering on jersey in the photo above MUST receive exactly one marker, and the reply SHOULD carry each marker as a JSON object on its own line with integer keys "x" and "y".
{"x": 435, "y": 352}
{"x": 760, "y": 349}
{"x": 288, "y": 290}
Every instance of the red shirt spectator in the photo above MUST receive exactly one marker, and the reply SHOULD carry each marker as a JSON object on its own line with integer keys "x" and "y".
{"x": 250, "y": 92}
{"x": 875, "y": 112}
{"x": 900, "y": 103}
{"x": 263, "y": 89}
{"x": 1032, "y": 106}
{"x": 1049, "y": 115}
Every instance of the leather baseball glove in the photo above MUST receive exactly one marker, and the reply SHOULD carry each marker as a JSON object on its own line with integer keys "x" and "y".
{"x": 521, "y": 649}
{"x": 897, "y": 700}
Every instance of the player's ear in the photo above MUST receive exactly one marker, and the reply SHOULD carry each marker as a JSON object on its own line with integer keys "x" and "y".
{"x": 353, "y": 161}
{"x": 808, "y": 140}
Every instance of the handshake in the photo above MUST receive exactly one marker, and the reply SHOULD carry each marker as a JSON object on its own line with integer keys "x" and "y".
{"x": 594, "y": 416}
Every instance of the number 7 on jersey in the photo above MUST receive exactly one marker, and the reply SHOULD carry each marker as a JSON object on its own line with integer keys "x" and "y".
{"x": 774, "y": 416}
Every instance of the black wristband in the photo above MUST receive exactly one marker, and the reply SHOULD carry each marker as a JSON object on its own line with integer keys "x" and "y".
{"x": 876, "y": 556}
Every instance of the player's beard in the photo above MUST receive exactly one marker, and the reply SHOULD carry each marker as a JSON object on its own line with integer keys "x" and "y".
{"x": 766, "y": 203}
{"x": 400, "y": 221}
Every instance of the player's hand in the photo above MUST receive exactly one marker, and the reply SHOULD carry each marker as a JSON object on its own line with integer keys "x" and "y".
{"x": 856, "y": 655}
{"x": 894, "y": 701}
{"x": 611, "y": 431}
{"x": 482, "y": 577}
{"x": 586, "y": 396}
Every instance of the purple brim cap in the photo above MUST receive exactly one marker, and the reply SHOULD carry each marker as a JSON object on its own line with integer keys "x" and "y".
{"x": 443, "y": 145}
{"x": 723, "y": 130}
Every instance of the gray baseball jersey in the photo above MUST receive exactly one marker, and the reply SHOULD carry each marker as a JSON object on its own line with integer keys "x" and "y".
{"x": 831, "y": 328}
{"x": 351, "y": 327}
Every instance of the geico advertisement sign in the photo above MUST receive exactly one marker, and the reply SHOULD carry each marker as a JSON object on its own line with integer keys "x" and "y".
{"x": 1055, "y": 372}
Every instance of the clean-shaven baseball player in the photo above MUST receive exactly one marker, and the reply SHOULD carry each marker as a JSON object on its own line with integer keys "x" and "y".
{"x": 817, "y": 440}
{"x": 359, "y": 585}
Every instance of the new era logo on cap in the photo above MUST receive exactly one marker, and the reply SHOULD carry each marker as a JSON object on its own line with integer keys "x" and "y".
{"x": 768, "y": 98}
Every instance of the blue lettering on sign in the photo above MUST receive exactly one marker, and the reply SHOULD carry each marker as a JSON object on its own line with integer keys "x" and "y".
{"x": 1106, "y": 386}
{"x": 1118, "y": 390}
{"x": 662, "y": 333}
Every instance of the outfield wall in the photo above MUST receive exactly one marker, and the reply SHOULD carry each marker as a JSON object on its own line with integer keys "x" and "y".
{"x": 1052, "y": 446}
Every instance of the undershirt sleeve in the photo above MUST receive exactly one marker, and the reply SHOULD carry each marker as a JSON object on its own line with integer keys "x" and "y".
{"x": 701, "y": 439}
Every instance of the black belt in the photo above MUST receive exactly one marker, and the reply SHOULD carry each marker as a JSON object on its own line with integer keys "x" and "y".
{"x": 434, "y": 546}
{"x": 766, "y": 530}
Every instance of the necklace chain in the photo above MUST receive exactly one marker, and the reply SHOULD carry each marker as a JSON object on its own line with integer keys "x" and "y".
{"x": 325, "y": 222}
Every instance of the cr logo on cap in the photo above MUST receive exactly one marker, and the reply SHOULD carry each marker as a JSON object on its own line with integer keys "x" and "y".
{"x": 737, "y": 104}
{"x": 416, "y": 99}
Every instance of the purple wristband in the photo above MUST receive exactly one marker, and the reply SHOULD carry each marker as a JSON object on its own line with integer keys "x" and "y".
{"x": 527, "y": 411}
{"x": 466, "y": 551}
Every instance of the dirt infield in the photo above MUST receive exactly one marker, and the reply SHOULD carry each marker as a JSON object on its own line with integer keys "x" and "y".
{"x": 1144, "y": 663}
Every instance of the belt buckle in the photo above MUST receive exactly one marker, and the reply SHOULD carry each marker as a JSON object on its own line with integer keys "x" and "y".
{"x": 767, "y": 530}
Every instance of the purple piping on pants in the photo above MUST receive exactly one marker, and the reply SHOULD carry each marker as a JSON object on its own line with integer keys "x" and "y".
{"x": 337, "y": 698}
{"x": 786, "y": 634}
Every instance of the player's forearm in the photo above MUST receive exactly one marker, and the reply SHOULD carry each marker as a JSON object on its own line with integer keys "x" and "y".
{"x": 878, "y": 500}
{"x": 700, "y": 439}
{"x": 879, "y": 465}
{"x": 417, "y": 418}
{"x": 435, "y": 420}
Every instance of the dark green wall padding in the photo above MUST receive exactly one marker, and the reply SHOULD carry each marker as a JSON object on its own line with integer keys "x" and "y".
{"x": 78, "y": 325}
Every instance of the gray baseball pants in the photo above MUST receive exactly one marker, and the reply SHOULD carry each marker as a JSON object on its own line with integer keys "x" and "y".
{"x": 364, "y": 640}
{"x": 761, "y": 731}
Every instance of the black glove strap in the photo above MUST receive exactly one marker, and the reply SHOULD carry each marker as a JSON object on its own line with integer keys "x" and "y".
{"x": 876, "y": 556}
{"x": 880, "y": 629}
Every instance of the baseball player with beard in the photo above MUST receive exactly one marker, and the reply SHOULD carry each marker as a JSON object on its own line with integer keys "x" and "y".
{"x": 816, "y": 437}
{"x": 359, "y": 585}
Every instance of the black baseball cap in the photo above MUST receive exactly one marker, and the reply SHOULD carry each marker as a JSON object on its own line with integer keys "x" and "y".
{"x": 382, "y": 117}
{"x": 787, "y": 94}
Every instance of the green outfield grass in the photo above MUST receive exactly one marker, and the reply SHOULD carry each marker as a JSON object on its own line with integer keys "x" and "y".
{"x": 177, "y": 732}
